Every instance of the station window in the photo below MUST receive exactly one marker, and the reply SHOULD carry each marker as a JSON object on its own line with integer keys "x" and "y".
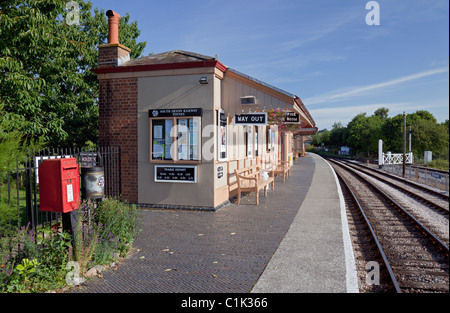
{"x": 175, "y": 139}
{"x": 248, "y": 133}
{"x": 268, "y": 139}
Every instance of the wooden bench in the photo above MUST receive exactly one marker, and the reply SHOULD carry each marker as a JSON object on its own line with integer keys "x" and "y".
{"x": 282, "y": 168}
{"x": 249, "y": 179}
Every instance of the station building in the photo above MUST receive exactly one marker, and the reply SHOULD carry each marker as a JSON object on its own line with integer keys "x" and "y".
{"x": 184, "y": 121}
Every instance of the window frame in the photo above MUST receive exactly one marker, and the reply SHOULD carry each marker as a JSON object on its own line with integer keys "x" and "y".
{"x": 175, "y": 121}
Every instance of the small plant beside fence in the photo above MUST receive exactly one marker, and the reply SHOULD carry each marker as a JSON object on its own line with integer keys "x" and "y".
{"x": 34, "y": 251}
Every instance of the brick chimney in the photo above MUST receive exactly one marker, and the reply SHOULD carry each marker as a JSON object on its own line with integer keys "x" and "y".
{"x": 113, "y": 53}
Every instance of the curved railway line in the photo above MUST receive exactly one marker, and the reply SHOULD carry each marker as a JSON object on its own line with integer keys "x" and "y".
{"x": 410, "y": 246}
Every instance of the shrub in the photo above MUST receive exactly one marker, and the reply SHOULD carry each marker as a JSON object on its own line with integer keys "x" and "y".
{"x": 117, "y": 225}
{"x": 41, "y": 263}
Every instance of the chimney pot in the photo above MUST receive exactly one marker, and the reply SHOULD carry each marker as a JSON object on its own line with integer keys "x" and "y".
{"x": 113, "y": 26}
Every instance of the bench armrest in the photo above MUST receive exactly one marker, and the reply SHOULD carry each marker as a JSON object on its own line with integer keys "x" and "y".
{"x": 246, "y": 177}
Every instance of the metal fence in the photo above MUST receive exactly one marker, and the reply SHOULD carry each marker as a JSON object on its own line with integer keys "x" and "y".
{"x": 19, "y": 186}
{"x": 428, "y": 176}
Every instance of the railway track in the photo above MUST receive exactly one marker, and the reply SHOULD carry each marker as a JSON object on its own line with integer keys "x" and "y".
{"x": 437, "y": 199}
{"x": 415, "y": 258}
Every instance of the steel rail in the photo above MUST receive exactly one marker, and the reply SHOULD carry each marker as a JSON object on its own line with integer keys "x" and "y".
{"x": 372, "y": 231}
{"x": 441, "y": 195}
{"x": 368, "y": 171}
{"x": 422, "y": 227}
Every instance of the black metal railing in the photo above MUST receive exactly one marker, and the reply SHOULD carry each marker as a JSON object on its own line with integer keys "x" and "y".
{"x": 19, "y": 186}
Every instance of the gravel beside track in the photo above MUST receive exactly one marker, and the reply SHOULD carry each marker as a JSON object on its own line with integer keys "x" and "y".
{"x": 417, "y": 264}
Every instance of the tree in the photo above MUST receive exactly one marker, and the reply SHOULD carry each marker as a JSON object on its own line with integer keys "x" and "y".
{"x": 47, "y": 88}
{"x": 13, "y": 147}
{"x": 364, "y": 133}
{"x": 382, "y": 113}
{"x": 338, "y": 135}
{"x": 392, "y": 133}
{"x": 321, "y": 137}
{"x": 428, "y": 135}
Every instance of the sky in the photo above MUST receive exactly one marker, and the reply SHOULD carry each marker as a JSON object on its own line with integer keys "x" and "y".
{"x": 323, "y": 51}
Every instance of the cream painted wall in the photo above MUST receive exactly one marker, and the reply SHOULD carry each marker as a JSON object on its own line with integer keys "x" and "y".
{"x": 173, "y": 92}
{"x": 233, "y": 90}
{"x": 181, "y": 89}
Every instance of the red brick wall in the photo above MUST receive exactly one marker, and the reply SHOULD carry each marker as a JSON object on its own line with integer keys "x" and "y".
{"x": 118, "y": 125}
{"x": 109, "y": 54}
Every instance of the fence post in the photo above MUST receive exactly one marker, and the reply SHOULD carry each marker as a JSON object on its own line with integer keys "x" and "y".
{"x": 446, "y": 182}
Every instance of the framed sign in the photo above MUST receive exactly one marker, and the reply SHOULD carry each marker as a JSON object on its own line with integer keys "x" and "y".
{"x": 88, "y": 159}
{"x": 175, "y": 135}
{"x": 175, "y": 112}
{"x": 291, "y": 118}
{"x": 176, "y": 174}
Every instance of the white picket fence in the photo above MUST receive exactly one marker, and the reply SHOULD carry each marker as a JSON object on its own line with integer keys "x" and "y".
{"x": 397, "y": 158}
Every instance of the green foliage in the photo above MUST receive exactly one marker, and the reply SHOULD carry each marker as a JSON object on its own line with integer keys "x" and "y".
{"x": 439, "y": 164}
{"x": 321, "y": 138}
{"x": 41, "y": 265}
{"x": 13, "y": 146}
{"x": 27, "y": 267}
{"x": 363, "y": 132}
{"x": 48, "y": 89}
{"x": 277, "y": 117}
{"x": 118, "y": 223}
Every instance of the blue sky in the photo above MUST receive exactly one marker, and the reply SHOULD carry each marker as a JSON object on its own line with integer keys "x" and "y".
{"x": 321, "y": 50}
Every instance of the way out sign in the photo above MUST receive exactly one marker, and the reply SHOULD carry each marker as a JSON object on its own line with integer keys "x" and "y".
{"x": 257, "y": 119}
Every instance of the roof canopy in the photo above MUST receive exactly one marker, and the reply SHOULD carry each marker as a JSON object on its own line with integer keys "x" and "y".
{"x": 177, "y": 59}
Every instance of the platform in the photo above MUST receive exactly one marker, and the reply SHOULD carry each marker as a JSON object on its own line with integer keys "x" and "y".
{"x": 316, "y": 254}
{"x": 291, "y": 242}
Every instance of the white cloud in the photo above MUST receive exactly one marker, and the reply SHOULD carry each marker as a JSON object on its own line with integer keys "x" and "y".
{"x": 364, "y": 90}
{"x": 326, "y": 117}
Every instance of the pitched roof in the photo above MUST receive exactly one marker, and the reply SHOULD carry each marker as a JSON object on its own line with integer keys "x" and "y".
{"x": 170, "y": 57}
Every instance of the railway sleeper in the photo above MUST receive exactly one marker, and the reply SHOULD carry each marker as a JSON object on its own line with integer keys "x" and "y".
{"x": 405, "y": 260}
{"x": 420, "y": 286}
{"x": 419, "y": 273}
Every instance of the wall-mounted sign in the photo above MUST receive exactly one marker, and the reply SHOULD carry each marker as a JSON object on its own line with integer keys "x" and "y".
{"x": 257, "y": 118}
{"x": 291, "y": 118}
{"x": 88, "y": 159}
{"x": 175, "y": 112}
{"x": 219, "y": 172}
{"x": 176, "y": 173}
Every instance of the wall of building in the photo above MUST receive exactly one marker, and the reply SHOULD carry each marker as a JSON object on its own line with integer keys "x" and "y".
{"x": 176, "y": 91}
{"x": 233, "y": 88}
{"x": 126, "y": 99}
{"x": 118, "y": 126}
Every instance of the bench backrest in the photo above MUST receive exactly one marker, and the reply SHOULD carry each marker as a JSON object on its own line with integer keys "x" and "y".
{"x": 252, "y": 169}
{"x": 249, "y": 171}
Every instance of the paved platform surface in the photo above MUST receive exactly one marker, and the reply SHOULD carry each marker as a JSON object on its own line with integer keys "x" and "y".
{"x": 316, "y": 254}
{"x": 275, "y": 246}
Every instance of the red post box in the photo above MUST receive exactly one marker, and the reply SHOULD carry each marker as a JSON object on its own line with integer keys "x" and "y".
{"x": 59, "y": 185}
